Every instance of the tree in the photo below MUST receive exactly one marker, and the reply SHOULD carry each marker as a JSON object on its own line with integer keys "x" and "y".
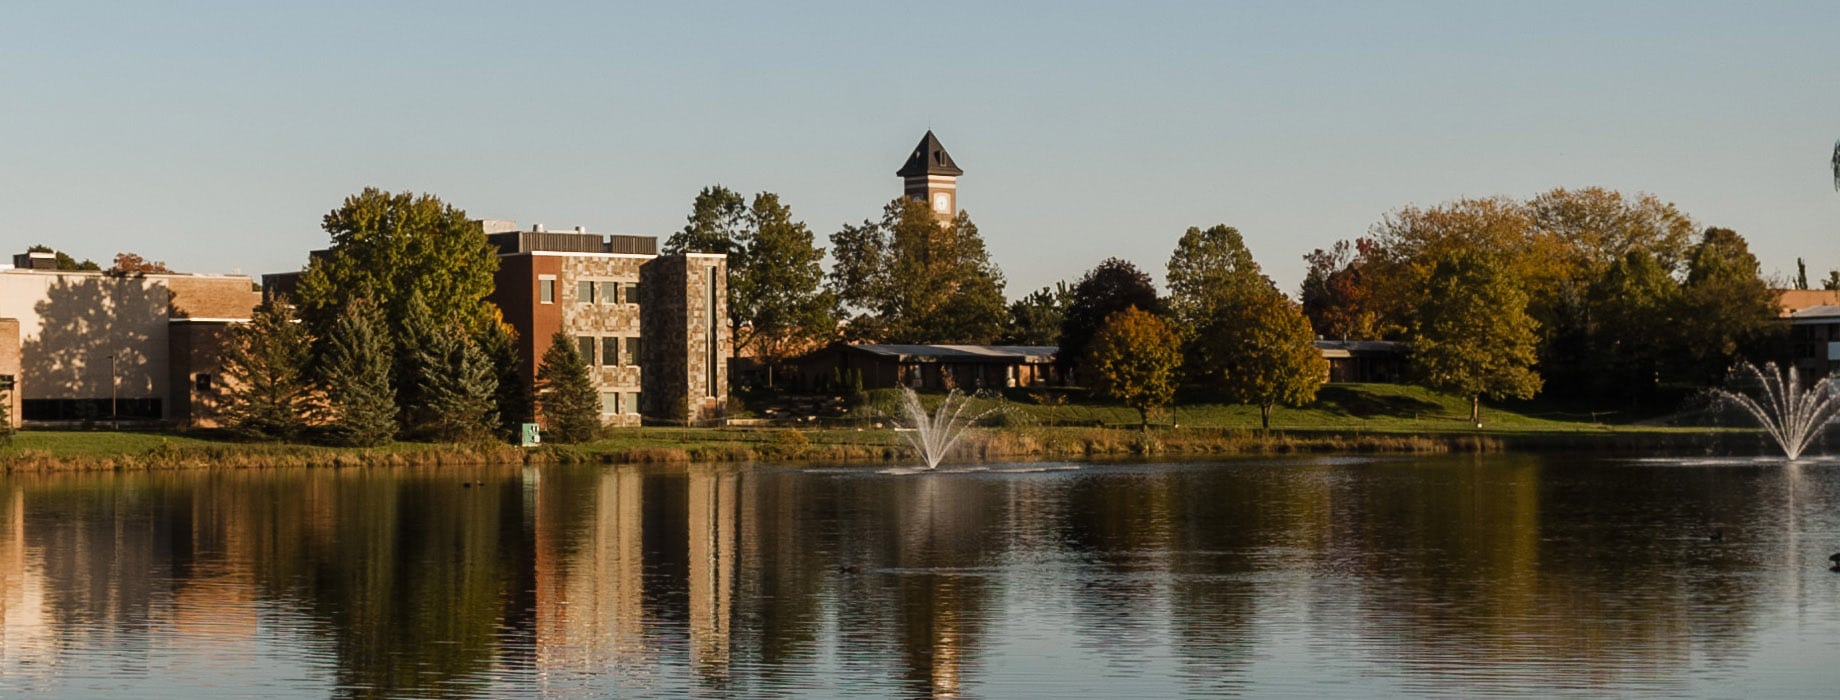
{"x": 127, "y": 264}
{"x": 1268, "y": 355}
{"x": 1210, "y": 268}
{"x": 65, "y": 262}
{"x": 415, "y": 365}
{"x": 513, "y": 397}
{"x": 266, "y": 391}
{"x": 390, "y": 247}
{"x": 717, "y": 224}
{"x": 6, "y": 414}
{"x": 1726, "y": 306}
{"x": 355, "y": 376}
{"x": 566, "y": 399}
{"x": 914, "y": 279}
{"x": 1335, "y": 292}
{"x": 1134, "y": 359}
{"x": 1471, "y": 334}
{"x": 1410, "y": 243}
{"x": 1637, "y": 307}
{"x": 1036, "y": 319}
{"x": 1113, "y": 286}
{"x": 459, "y": 385}
{"x": 776, "y": 295}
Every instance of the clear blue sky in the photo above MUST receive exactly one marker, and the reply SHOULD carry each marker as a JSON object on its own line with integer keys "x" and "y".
{"x": 213, "y": 136}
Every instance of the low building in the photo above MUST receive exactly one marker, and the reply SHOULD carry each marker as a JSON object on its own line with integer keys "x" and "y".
{"x": 1363, "y": 360}
{"x": 88, "y": 346}
{"x": 966, "y": 367}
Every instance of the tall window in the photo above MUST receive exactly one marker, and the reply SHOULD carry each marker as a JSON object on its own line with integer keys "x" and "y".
{"x": 610, "y": 403}
{"x": 632, "y": 351}
{"x": 610, "y": 351}
{"x": 546, "y": 289}
{"x": 630, "y": 402}
{"x": 609, "y": 293}
{"x": 632, "y": 292}
{"x": 709, "y": 319}
{"x": 586, "y": 344}
{"x": 584, "y": 292}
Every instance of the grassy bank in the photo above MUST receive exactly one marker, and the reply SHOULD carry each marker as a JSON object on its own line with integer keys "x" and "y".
{"x": 1346, "y": 418}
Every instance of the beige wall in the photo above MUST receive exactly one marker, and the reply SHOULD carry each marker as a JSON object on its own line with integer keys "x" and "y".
{"x": 70, "y": 323}
{"x": 9, "y": 364}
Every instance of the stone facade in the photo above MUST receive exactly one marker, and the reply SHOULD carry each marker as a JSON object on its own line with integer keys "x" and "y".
{"x": 599, "y": 311}
{"x": 9, "y": 368}
{"x": 688, "y": 342}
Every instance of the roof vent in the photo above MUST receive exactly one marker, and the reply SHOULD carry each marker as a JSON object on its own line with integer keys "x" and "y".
{"x": 581, "y": 229}
{"x": 536, "y": 228}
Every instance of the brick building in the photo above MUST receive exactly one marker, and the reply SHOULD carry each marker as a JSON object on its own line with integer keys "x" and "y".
{"x": 87, "y": 346}
{"x": 653, "y": 329}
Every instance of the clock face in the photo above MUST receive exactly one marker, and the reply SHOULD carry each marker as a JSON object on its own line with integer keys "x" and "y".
{"x": 942, "y": 202}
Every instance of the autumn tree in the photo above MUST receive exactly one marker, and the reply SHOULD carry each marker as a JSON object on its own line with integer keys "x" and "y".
{"x": 1112, "y": 286}
{"x": 1267, "y": 354}
{"x": 1134, "y": 359}
{"x": 1336, "y": 293}
{"x": 129, "y": 264}
{"x": 1036, "y": 319}
{"x": 914, "y": 279}
{"x": 1471, "y": 334}
{"x": 266, "y": 392}
{"x": 1210, "y": 268}
{"x": 566, "y": 400}
{"x": 354, "y": 374}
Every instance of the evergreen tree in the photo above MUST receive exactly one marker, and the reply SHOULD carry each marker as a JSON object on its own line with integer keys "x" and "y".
{"x": 512, "y": 398}
{"x": 566, "y": 400}
{"x": 355, "y": 375}
{"x": 1036, "y": 319}
{"x": 266, "y": 391}
{"x": 417, "y": 363}
{"x": 458, "y": 386}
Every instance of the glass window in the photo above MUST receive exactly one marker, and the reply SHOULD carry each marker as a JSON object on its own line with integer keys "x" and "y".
{"x": 202, "y": 382}
{"x": 546, "y": 290}
{"x": 610, "y": 403}
{"x": 584, "y": 292}
{"x": 586, "y": 344}
{"x": 632, "y": 293}
{"x": 610, "y": 351}
{"x": 632, "y": 402}
{"x": 632, "y": 351}
{"x": 609, "y": 293}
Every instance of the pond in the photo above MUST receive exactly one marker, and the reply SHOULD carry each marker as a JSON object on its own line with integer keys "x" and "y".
{"x": 1312, "y": 576}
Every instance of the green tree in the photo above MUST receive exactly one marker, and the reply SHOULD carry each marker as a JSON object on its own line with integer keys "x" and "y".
{"x": 1036, "y": 319}
{"x": 415, "y": 365}
{"x": 6, "y": 414}
{"x": 717, "y": 224}
{"x": 1726, "y": 306}
{"x": 459, "y": 386}
{"x": 65, "y": 262}
{"x": 1210, "y": 268}
{"x": 355, "y": 376}
{"x": 914, "y": 279}
{"x": 1637, "y": 307}
{"x": 266, "y": 390}
{"x": 391, "y": 247}
{"x": 776, "y": 295}
{"x": 513, "y": 399}
{"x": 1471, "y": 334}
{"x": 1268, "y": 355}
{"x": 1134, "y": 360}
{"x": 566, "y": 400}
{"x": 1112, "y": 286}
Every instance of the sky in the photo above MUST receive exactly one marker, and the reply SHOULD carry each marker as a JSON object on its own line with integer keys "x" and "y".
{"x": 214, "y": 136}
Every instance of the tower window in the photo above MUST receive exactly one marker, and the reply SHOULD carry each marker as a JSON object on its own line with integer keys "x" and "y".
{"x": 546, "y": 289}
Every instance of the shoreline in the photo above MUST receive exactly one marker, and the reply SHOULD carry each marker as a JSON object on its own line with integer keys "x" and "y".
{"x": 77, "y": 451}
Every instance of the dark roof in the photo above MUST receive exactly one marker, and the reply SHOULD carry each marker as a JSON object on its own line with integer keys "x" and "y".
{"x": 1006, "y": 354}
{"x": 929, "y": 158}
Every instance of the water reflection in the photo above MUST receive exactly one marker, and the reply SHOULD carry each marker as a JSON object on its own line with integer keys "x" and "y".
{"x": 1457, "y": 576}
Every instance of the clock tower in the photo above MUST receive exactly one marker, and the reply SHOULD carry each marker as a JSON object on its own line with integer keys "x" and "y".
{"x": 931, "y": 176}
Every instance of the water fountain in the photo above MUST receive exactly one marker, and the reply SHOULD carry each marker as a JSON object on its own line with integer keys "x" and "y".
{"x": 934, "y": 435}
{"x": 1793, "y": 415}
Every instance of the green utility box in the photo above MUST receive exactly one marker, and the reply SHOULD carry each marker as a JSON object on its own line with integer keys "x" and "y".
{"x": 530, "y": 438}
